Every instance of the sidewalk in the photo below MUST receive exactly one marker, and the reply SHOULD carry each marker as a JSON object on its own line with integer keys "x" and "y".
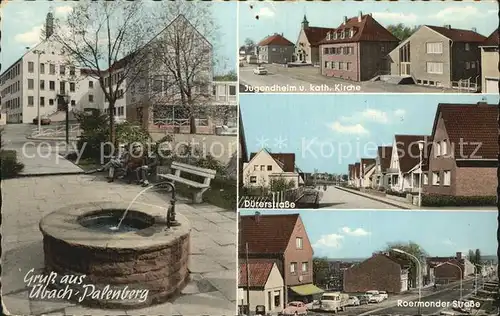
{"x": 408, "y": 206}
{"x": 212, "y": 290}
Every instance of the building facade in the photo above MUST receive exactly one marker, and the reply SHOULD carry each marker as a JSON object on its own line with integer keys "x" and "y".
{"x": 489, "y": 63}
{"x": 439, "y": 56}
{"x": 264, "y": 167}
{"x": 357, "y": 49}
{"x": 307, "y": 46}
{"x": 275, "y": 49}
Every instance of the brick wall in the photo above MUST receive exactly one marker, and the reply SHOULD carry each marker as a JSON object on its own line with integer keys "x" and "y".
{"x": 476, "y": 181}
{"x": 446, "y": 273}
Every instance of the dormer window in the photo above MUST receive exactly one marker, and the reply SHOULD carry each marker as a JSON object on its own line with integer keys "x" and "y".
{"x": 351, "y": 32}
{"x": 329, "y": 36}
{"x": 342, "y": 35}
{"x": 335, "y": 35}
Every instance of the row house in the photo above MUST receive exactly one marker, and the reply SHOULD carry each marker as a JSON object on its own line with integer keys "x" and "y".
{"x": 264, "y": 167}
{"x": 439, "y": 56}
{"x": 357, "y": 49}
{"x": 489, "y": 63}
{"x": 382, "y": 164}
{"x": 354, "y": 176}
{"x": 367, "y": 168}
{"x": 450, "y": 269}
{"x": 283, "y": 240}
{"x": 275, "y": 49}
{"x": 463, "y": 160}
{"x": 307, "y": 46}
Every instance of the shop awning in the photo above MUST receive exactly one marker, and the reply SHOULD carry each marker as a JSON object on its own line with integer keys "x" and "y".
{"x": 306, "y": 289}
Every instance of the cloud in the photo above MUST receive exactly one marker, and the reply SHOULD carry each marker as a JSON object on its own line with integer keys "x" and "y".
{"x": 356, "y": 129}
{"x": 367, "y": 115}
{"x": 30, "y": 37}
{"x": 395, "y": 17}
{"x": 63, "y": 10}
{"x": 354, "y": 232}
{"x": 448, "y": 242}
{"x": 329, "y": 241}
{"x": 399, "y": 112}
{"x": 457, "y": 13}
{"x": 266, "y": 12}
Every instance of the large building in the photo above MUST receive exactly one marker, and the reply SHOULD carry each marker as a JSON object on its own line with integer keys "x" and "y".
{"x": 275, "y": 49}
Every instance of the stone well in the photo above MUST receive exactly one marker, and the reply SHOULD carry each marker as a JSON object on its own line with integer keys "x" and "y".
{"x": 152, "y": 258}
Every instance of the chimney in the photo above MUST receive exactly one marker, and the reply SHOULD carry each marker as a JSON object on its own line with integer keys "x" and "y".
{"x": 448, "y": 26}
{"x": 49, "y": 25}
{"x": 459, "y": 256}
{"x": 345, "y": 20}
{"x": 257, "y": 217}
{"x": 360, "y": 15}
{"x": 282, "y": 34}
{"x": 474, "y": 30}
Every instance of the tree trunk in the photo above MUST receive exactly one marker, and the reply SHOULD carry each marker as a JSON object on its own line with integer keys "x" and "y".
{"x": 112, "y": 130}
{"x": 192, "y": 123}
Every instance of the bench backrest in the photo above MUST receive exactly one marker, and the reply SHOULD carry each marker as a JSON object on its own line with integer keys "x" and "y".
{"x": 202, "y": 172}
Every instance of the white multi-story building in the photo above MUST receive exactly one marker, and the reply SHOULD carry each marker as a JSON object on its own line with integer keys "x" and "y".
{"x": 33, "y": 82}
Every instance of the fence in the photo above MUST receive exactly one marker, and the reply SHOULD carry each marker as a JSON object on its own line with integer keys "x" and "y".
{"x": 56, "y": 131}
{"x": 169, "y": 122}
{"x": 465, "y": 85}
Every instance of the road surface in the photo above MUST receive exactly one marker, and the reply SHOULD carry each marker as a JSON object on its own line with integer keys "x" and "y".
{"x": 340, "y": 199}
{"x": 307, "y": 79}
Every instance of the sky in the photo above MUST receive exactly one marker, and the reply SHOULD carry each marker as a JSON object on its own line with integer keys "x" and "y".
{"x": 327, "y": 132}
{"x": 22, "y": 22}
{"x": 358, "y": 234}
{"x": 285, "y": 17}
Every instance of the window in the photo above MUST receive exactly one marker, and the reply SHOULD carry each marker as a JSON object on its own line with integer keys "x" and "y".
{"x": 30, "y": 101}
{"x": 256, "y": 168}
{"x": 73, "y": 102}
{"x": 326, "y": 64}
{"x": 72, "y": 87}
{"x": 434, "y": 48}
{"x": 473, "y": 65}
{"x": 293, "y": 267}
{"x": 120, "y": 94}
{"x": 305, "y": 266}
{"x": 52, "y": 85}
{"x": 274, "y": 49}
{"x": 31, "y": 84}
{"x": 91, "y": 84}
{"x": 42, "y": 84}
{"x": 31, "y": 67}
{"x": 341, "y": 65}
{"x": 435, "y": 178}
{"x": 72, "y": 70}
{"x": 467, "y": 65}
{"x": 62, "y": 87}
{"x": 351, "y": 32}
{"x": 262, "y": 168}
{"x": 42, "y": 101}
{"x": 277, "y": 298}
{"x": 269, "y": 168}
{"x": 437, "y": 149}
{"x": 51, "y": 101}
{"x": 434, "y": 68}
{"x": 232, "y": 90}
{"x": 447, "y": 178}
{"x": 444, "y": 147}
{"x": 157, "y": 84}
{"x": 334, "y": 65}
{"x": 325, "y": 50}
{"x": 348, "y": 66}
{"x": 382, "y": 49}
{"x": 52, "y": 69}
{"x": 299, "y": 243}
{"x": 467, "y": 46}
{"x": 62, "y": 70}
{"x": 42, "y": 68}
{"x": 91, "y": 98}
{"x": 425, "y": 179}
{"x": 253, "y": 179}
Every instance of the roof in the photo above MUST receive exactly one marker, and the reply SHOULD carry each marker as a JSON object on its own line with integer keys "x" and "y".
{"x": 384, "y": 153}
{"x": 402, "y": 262}
{"x": 408, "y": 150}
{"x": 492, "y": 40}
{"x": 259, "y": 273}
{"x": 275, "y": 39}
{"x": 351, "y": 170}
{"x": 316, "y": 34}
{"x": 458, "y": 35}
{"x": 367, "y": 162}
{"x": 468, "y": 125}
{"x": 285, "y": 160}
{"x": 356, "y": 169}
{"x": 266, "y": 233}
{"x": 367, "y": 30}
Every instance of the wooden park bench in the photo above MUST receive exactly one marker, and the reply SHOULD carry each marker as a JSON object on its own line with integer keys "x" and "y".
{"x": 198, "y": 188}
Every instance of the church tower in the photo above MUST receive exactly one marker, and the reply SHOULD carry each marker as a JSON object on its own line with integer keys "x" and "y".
{"x": 305, "y": 23}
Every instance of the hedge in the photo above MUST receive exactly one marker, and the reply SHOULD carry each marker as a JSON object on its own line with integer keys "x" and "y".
{"x": 10, "y": 166}
{"x": 395, "y": 193}
{"x": 449, "y": 200}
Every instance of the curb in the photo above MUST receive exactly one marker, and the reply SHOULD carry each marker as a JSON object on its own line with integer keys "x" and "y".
{"x": 375, "y": 199}
{"x": 50, "y": 174}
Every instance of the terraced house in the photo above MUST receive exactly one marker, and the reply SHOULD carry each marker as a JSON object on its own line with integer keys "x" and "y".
{"x": 463, "y": 160}
{"x": 356, "y": 50}
{"x": 382, "y": 163}
{"x": 440, "y": 57}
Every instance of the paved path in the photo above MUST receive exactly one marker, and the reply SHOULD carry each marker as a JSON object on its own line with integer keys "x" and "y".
{"x": 212, "y": 290}
{"x": 309, "y": 78}
{"x": 340, "y": 199}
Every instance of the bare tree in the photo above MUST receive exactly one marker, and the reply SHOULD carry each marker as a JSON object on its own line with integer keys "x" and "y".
{"x": 107, "y": 38}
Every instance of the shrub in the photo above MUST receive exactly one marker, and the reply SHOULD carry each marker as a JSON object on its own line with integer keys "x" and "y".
{"x": 396, "y": 193}
{"x": 449, "y": 200}
{"x": 10, "y": 166}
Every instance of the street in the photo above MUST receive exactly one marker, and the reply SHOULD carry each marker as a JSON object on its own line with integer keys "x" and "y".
{"x": 340, "y": 199}
{"x": 307, "y": 79}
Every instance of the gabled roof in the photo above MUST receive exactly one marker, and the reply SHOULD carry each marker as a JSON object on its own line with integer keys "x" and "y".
{"x": 266, "y": 233}
{"x": 259, "y": 273}
{"x": 275, "y": 39}
{"x": 408, "y": 150}
{"x": 316, "y": 34}
{"x": 467, "y": 126}
{"x": 458, "y": 35}
{"x": 367, "y": 30}
{"x": 367, "y": 164}
{"x": 492, "y": 40}
{"x": 285, "y": 160}
{"x": 384, "y": 154}
{"x": 351, "y": 171}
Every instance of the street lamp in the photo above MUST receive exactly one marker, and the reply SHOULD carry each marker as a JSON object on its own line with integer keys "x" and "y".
{"x": 419, "y": 274}
{"x": 38, "y": 53}
{"x": 461, "y": 275}
{"x": 421, "y": 149}
{"x": 64, "y": 99}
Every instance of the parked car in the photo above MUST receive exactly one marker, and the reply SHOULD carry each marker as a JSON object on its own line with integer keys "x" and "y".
{"x": 294, "y": 309}
{"x": 377, "y": 298}
{"x": 384, "y": 294}
{"x": 363, "y": 299}
{"x": 334, "y": 302}
{"x": 313, "y": 306}
{"x": 43, "y": 121}
{"x": 353, "y": 301}
{"x": 260, "y": 71}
